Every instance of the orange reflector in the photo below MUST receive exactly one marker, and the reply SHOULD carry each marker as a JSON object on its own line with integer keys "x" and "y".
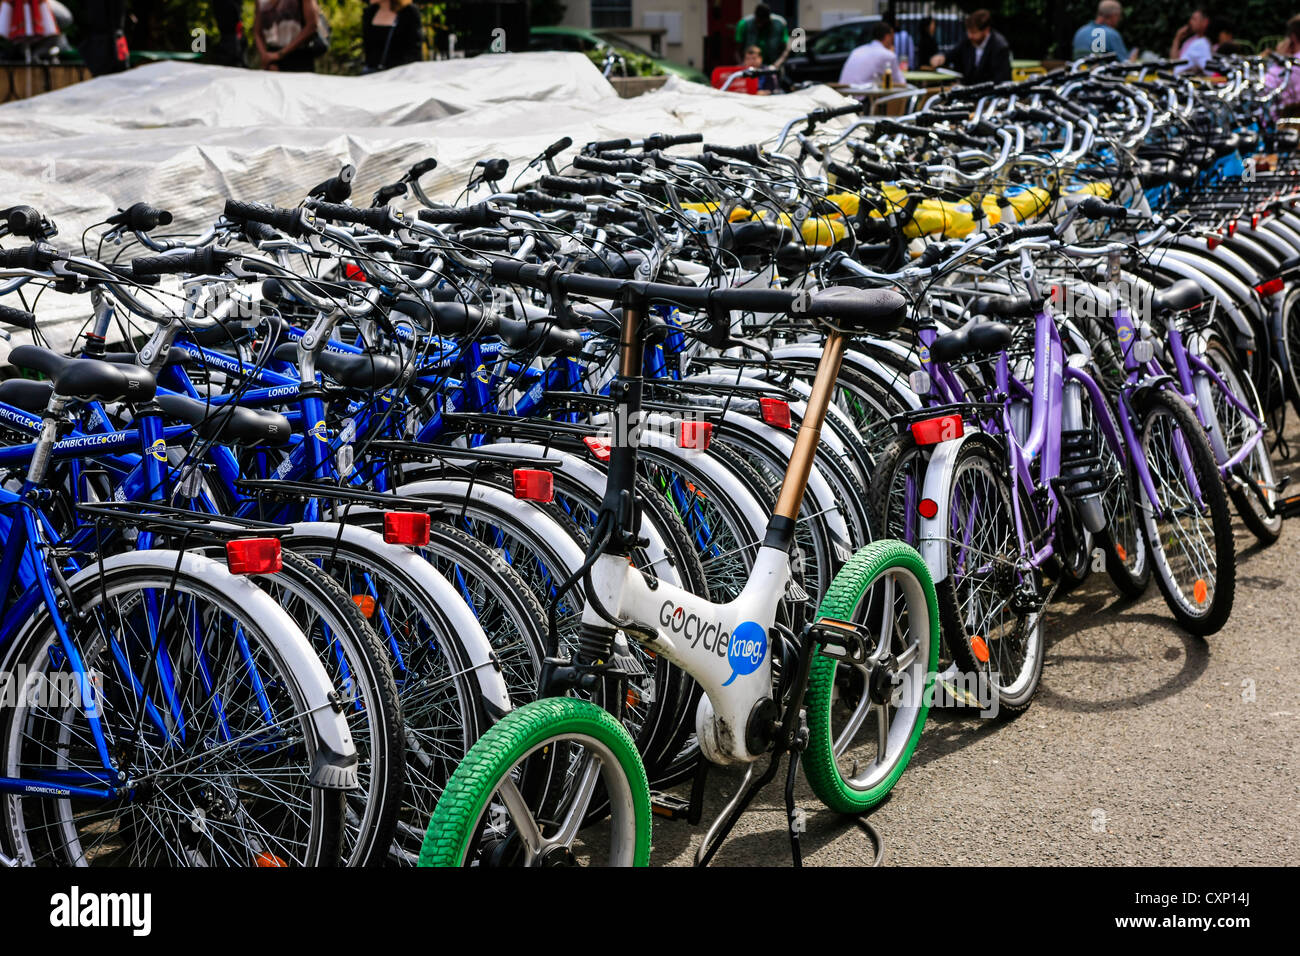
{"x": 1200, "y": 591}
{"x": 928, "y": 508}
{"x": 268, "y": 859}
{"x": 366, "y": 603}
{"x": 253, "y": 556}
{"x": 534, "y": 484}
{"x": 980, "y": 649}
{"x": 932, "y": 431}
{"x": 1122, "y": 552}
{"x": 776, "y": 411}
{"x": 354, "y": 272}
{"x": 1271, "y": 287}
{"x": 599, "y": 447}
{"x": 633, "y": 698}
{"x": 406, "y": 527}
{"x": 695, "y": 435}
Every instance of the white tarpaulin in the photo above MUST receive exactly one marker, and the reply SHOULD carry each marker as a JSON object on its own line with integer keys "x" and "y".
{"x": 185, "y": 137}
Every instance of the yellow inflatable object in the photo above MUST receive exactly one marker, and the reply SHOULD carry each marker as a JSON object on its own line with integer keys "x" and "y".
{"x": 1029, "y": 202}
{"x": 822, "y": 231}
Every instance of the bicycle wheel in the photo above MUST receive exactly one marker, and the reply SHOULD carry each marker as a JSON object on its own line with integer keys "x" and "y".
{"x": 1252, "y": 486}
{"x": 359, "y": 666}
{"x": 442, "y": 663}
{"x": 198, "y": 693}
{"x": 491, "y": 815}
{"x": 1122, "y": 539}
{"x": 862, "y": 732}
{"x": 1191, "y": 538}
{"x": 990, "y": 607}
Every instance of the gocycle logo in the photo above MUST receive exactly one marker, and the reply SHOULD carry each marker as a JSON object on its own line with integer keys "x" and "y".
{"x": 1125, "y": 334}
{"x": 925, "y": 354}
{"x": 320, "y": 431}
{"x": 746, "y": 650}
{"x": 133, "y": 911}
{"x": 159, "y": 449}
{"x": 694, "y": 628}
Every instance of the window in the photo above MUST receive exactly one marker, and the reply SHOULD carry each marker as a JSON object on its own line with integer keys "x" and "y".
{"x": 611, "y": 13}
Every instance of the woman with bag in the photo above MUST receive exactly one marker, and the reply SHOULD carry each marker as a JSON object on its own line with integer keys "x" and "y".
{"x": 288, "y": 35}
{"x": 392, "y": 34}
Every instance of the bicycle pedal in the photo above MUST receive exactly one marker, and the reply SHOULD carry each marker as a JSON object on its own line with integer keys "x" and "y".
{"x": 668, "y": 806}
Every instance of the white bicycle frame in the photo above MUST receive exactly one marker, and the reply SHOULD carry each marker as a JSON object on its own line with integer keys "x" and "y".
{"x": 700, "y": 637}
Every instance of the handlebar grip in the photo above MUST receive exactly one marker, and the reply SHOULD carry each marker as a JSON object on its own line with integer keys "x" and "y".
{"x": 257, "y": 232}
{"x": 511, "y": 270}
{"x": 386, "y": 194}
{"x": 27, "y": 257}
{"x": 208, "y": 260}
{"x": 559, "y": 146}
{"x": 288, "y": 221}
{"x": 615, "y": 214}
{"x": 593, "y": 164}
{"x": 931, "y": 117}
{"x": 609, "y": 144}
{"x": 486, "y": 243}
{"x": 479, "y": 214}
{"x": 539, "y": 201}
{"x": 141, "y": 217}
{"x": 844, "y": 175}
{"x": 378, "y": 218}
{"x": 878, "y": 171}
{"x": 422, "y": 167}
{"x": 18, "y": 318}
{"x": 707, "y": 160}
{"x": 583, "y": 187}
{"x": 664, "y": 141}
{"x": 753, "y": 300}
{"x": 336, "y": 189}
{"x": 823, "y": 113}
{"x": 933, "y": 255}
{"x": 747, "y": 154}
{"x": 1094, "y": 207}
{"x": 1036, "y": 231}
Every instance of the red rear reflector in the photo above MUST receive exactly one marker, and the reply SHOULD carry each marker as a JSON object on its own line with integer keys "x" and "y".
{"x": 354, "y": 272}
{"x": 599, "y": 447}
{"x": 1254, "y": 223}
{"x": 253, "y": 556}
{"x": 1271, "y": 287}
{"x": 406, "y": 527}
{"x": 932, "y": 431}
{"x": 1212, "y": 241}
{"x": 776, "y": 411}
{"x": 1232, "y": 227}
{"x": 534, "y": 484}
{"x": 695, "y": 435}
{"x": 928, "y": 508}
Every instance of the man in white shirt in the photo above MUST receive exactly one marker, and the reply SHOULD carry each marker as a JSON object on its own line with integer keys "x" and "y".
{"x": 868, "y": 64}
{"x": 1191, "y": 43}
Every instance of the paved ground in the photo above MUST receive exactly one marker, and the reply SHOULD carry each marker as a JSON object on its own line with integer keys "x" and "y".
{"x": 1145, "y": 746}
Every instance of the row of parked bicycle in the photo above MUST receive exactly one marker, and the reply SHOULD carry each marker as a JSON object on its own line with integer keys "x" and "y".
{"x": 465, "y": 536}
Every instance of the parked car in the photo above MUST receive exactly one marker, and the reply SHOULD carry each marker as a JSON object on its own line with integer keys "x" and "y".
{"x": 597, "y": 43}
{"x": 828, "y": 50}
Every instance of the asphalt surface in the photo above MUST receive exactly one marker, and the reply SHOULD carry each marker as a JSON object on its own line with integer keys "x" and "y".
{"x": 1145, "y": 746}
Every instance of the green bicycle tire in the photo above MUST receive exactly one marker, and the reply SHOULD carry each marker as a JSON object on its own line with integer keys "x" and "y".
{"x": 846, "y": 591}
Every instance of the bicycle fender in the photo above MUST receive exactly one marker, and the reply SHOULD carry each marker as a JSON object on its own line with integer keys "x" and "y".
{"x": 938, "y": 487}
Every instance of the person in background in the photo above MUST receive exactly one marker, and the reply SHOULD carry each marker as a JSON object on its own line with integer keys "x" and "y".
{"x": 391, "y": 34}
{"x": 103, "y": 44}
{"x": 230, "y": 25}
{"x": 1288, "y": 101}
{"x": 982, "y": 56}
{"x": 768, "y": 32}
{"x": 926, "y": 44}
{"x": 1222, "y": 34}
{"x": 1191, "y": 44}
{"x": 1102, "y": 35}
{"x": 868, "y": 64}
{"x": 764, "y": 83}
{"x": 283, "y": 31}
{"x": 904, "y": 48}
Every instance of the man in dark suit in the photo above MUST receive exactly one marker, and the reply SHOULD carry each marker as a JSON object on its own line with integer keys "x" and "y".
{"x": 983, "y": 55}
